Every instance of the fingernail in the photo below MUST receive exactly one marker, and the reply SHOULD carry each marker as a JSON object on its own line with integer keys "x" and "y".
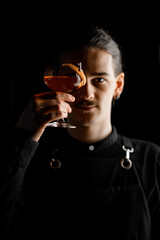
{"x": 73, "y": 98}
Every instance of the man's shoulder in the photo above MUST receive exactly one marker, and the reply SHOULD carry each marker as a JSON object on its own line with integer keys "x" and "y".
{"x": 143, "y": 145}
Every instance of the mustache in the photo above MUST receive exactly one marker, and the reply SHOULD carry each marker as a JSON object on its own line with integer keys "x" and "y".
{"x": 85, "y": 103}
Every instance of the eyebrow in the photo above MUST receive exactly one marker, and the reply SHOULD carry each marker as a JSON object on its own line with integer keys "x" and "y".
{"x": 100, "y": 74}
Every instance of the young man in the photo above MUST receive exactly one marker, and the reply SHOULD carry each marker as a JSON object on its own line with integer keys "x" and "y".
{"x": 88, "y": 182}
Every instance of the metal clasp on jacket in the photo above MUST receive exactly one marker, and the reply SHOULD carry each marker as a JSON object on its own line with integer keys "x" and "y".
{"x": 126, "y": 163}
{"x": 54, "y": 162}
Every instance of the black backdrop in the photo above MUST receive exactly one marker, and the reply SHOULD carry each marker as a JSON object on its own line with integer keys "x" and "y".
{"x": 26, "y": 46}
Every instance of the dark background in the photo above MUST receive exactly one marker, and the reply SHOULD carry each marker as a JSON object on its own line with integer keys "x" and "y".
{"x": 27, "y": 41}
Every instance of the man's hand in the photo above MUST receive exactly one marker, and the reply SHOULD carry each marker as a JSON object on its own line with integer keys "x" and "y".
{"x": 42, "y": 109}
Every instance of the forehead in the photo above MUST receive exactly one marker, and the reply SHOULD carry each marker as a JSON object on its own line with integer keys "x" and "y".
{"x": 93, "y": 59}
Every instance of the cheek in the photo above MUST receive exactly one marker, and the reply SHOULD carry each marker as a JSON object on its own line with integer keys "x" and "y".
{"x": 105, "y": 103}
{"x": 106, "y": 96}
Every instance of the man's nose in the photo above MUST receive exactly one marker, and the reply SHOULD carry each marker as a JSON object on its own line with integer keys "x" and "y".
{"x": 87, "y": 91}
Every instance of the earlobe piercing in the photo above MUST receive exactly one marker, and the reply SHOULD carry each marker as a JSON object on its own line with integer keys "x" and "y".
{"x": 116, "y": 97}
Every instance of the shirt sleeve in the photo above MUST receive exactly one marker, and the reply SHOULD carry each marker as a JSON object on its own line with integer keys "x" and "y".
{"x": 12, "y": 201}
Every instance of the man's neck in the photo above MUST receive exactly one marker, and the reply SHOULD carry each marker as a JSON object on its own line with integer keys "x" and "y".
{"x": 90, "y": 134}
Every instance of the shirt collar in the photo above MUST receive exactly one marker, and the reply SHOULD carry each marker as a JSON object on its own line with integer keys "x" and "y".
{"x": 97, "y": 146}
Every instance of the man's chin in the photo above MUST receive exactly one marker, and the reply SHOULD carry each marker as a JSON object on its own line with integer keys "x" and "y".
{"x": 82, "y": 122}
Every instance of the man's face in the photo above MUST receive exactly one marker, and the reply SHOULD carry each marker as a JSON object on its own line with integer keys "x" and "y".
{"x": 93, "y": 101}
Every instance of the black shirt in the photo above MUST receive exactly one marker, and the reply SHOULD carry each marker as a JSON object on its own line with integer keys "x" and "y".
{"x": 91, "y": 195}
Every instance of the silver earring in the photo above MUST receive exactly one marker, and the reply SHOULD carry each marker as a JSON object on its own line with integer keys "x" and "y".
{"x": 116, "y": 97}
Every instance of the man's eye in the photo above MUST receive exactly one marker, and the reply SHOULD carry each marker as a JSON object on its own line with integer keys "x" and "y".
{"x": 99, "y": 80}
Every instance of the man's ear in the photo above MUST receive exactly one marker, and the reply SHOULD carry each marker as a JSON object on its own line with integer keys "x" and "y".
{"x": 119, "y": 85}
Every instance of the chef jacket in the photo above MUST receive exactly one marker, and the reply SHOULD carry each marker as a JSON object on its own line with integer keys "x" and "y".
{"x": 62, "y": 188}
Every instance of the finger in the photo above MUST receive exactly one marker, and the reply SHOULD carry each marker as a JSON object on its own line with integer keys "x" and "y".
{"x": 46, "y": 106}
{"x": 58, "y": 115}
{"x": 55, "y": 95}
{"x": 53, "y": 116}
{"x": 59, "y": 107}
{"x": 44, "y": 103}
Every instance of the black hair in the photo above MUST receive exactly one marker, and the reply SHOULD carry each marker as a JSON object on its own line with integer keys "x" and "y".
{"x": 92, "y": 36}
